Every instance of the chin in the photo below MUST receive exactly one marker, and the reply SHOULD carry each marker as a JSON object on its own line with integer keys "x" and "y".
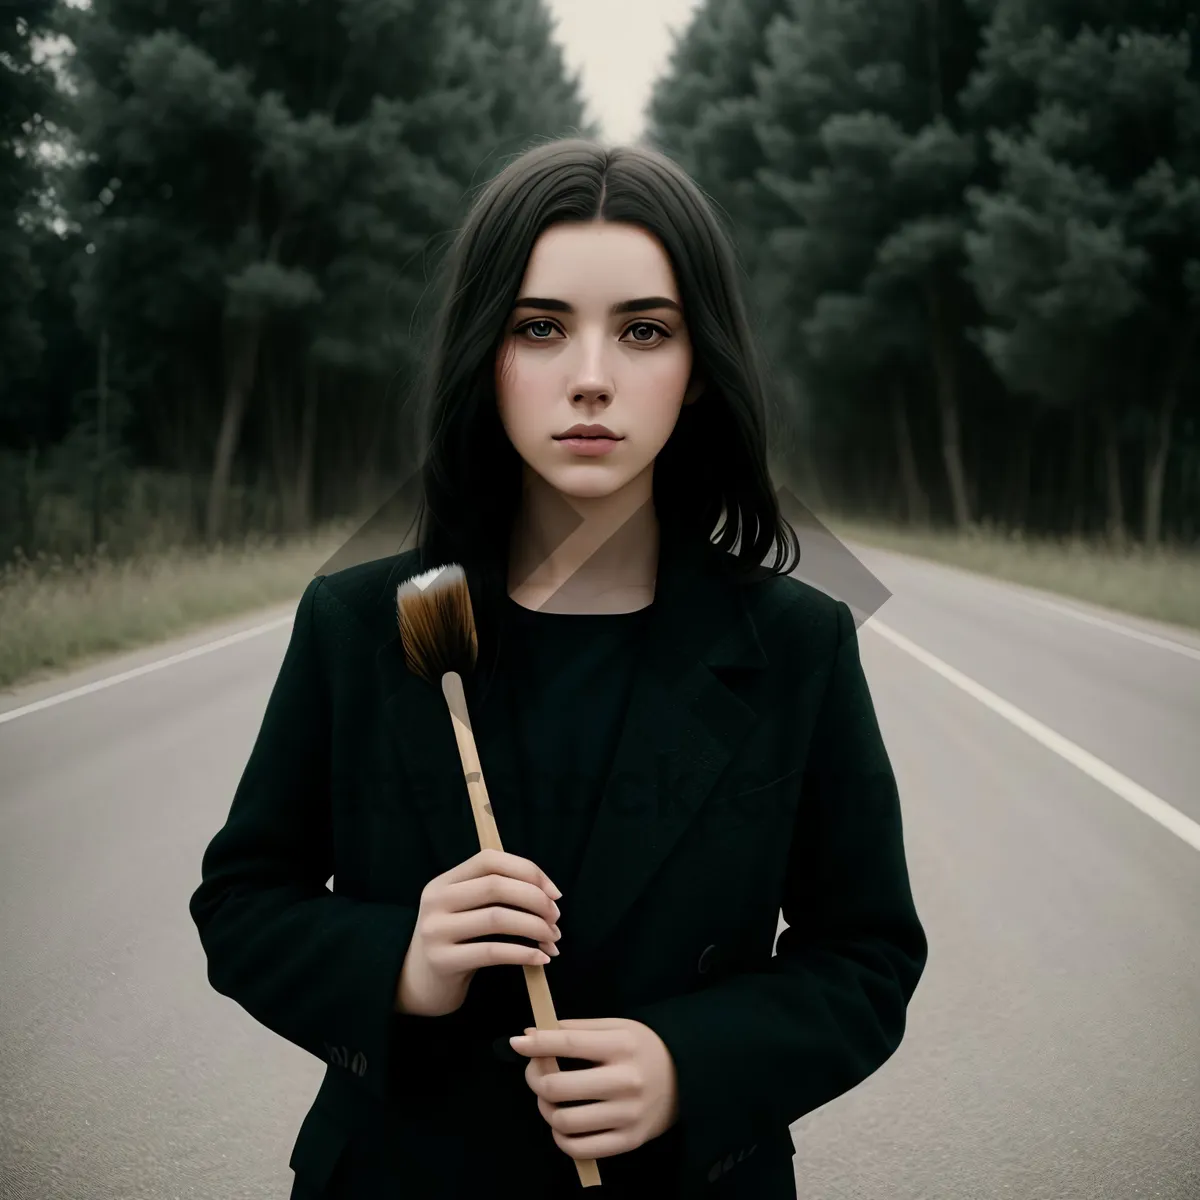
{"x": 587, "y": 489}
{"x": 588, "y": 481}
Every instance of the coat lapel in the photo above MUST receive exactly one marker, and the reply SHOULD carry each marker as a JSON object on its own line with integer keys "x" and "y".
{"x": 682, "y": 727}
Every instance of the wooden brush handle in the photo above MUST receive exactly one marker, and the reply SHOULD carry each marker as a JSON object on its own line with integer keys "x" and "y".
{"x": 489, "y": 839}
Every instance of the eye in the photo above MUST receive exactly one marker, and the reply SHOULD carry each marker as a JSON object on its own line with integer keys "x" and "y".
{"x": 528, "y": 326}
{"x": 653, "y": 329}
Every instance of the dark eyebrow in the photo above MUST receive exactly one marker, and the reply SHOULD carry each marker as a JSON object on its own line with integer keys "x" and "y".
{"x": 625, "y": 306}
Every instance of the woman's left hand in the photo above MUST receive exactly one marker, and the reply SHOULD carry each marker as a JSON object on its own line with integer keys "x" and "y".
{"x": 633, "y": 1085}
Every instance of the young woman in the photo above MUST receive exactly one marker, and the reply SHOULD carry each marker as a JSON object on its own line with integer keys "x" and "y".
{"x": 677, "y": 739}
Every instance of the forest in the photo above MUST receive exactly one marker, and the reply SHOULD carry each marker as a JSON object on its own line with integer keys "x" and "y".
{"x": 969, "y": 232}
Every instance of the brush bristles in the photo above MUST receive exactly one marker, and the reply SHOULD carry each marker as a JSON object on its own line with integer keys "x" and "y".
{"x": 437, "y": 624}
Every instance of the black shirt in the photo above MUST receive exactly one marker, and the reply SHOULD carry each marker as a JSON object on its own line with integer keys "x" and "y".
{"x": 567, "y": 678}
{"x": 570, "y": 676}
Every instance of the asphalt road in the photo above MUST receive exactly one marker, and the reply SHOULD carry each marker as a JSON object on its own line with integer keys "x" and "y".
{"x": 1053, "y": 1050}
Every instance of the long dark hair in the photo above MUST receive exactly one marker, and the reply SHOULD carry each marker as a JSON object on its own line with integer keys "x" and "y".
{"x": 714, "y": 466}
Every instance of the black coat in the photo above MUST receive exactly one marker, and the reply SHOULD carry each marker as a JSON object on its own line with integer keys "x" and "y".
{"x": 751, "y": 776}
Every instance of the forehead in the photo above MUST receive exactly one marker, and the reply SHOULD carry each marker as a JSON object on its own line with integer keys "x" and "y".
{"x": 603, "y": 259}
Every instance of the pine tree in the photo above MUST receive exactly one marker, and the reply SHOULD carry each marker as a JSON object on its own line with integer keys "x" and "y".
{"x": 1087, "y": 253}
{"x": 267, "y": 185}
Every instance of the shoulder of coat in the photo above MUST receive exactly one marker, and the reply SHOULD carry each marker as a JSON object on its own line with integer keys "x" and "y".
{"x": 368, "y": 589}
{"x": 786, "y": 605}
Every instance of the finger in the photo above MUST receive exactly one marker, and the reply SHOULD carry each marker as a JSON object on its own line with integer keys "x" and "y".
{"x": 495, "y": 919}
{"x": 594, "y": 1023}
{"x": 584, "y": 1084}
{"x": 538, "y": 1069}
{"x": 490, "y": 863}
{"x": 471, "y": 956}
{"x": 493, "y": 889}
{"x": 596, "y": 1045}
{"x": 596, "y": 1145}
{"x": 500, "y": 862}
{"x": 605, "y": 1116}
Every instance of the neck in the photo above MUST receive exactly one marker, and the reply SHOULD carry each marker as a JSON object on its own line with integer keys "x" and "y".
{"x": 584, "y": 554}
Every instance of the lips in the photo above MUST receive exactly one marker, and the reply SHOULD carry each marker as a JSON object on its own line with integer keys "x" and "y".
{"x": 589, "y": 441}
{"x": 587, "y": 432}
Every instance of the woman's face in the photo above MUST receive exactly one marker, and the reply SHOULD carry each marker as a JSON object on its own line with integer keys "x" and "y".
{"x": 569, "y": 357}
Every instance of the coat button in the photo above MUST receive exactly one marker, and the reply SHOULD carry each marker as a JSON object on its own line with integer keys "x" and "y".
{"x": 505, "y": 1053}
{"x": 705, "y": 960}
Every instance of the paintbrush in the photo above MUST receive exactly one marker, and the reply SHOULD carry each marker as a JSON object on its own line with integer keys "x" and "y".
{"x": 437, "y": 629}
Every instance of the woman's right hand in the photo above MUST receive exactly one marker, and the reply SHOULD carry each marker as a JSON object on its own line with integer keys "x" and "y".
{"x": 493, "y": 892}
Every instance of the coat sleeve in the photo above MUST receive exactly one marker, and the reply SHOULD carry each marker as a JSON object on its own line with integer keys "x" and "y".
{"x": 757, "y": 1051}
{"x": 318, "y": 969}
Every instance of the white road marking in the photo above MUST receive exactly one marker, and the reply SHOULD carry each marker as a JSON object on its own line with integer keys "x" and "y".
{"x": 1151, "y": 639}
{"x": 100, "y": 684}
{"x": 1033, "y": 595}
{"x": 1121, "y": 785}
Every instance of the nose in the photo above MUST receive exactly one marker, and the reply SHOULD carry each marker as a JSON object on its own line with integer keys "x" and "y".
{"x": 592, "y": 378}
{"x": 588, "y": 394}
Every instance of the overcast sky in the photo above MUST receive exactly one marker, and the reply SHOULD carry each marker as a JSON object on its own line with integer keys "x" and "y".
{"x": 619, "y": 47}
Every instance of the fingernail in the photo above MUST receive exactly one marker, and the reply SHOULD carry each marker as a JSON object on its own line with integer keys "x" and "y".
{"x": 553, "y": 949}
{"x": 555, "y": 894}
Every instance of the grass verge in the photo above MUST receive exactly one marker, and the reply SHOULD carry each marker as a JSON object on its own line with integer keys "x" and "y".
{"x": 1162, "y": 585}
{"x": 57, "y": 615}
